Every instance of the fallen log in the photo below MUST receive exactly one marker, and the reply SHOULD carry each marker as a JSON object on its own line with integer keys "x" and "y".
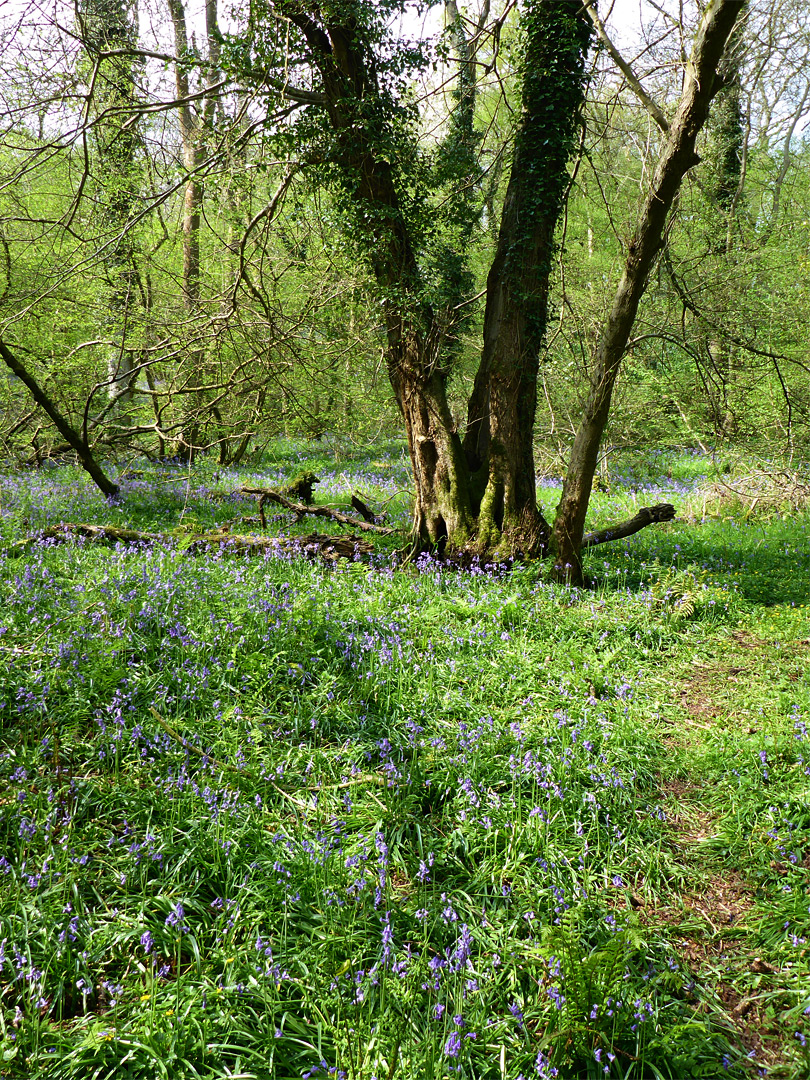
{"x": 329, "y": 548}
{"x": 68, "y": 530}
{"x": 299, "y": 509}
{"x": 647, "y": 515}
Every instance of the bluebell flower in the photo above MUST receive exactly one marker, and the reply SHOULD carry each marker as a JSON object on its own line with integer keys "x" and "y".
{"x": 453, "y": 1045}
{"x": 175, "y": 918}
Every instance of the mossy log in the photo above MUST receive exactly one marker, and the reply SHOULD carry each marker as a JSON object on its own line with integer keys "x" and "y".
{"x": 329, "y": 548}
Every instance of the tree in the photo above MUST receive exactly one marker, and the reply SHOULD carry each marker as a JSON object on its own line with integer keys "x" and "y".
{"x": 195, "y": 132}
{"x": 500, "y": 428}
{"x": 676, "y": 157}
{"x": 62, "y": 425}
{"x": 109, "y": 37}
{"x": 483, "y": 489}
{"x": 716, "y": 354}
{"x": 91, "y": 175}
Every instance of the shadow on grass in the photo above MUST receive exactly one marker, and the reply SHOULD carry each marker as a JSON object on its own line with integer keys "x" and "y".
{"x": 764, "y": 562}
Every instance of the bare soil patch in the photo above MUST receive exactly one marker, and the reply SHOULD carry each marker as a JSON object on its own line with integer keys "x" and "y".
{"x": 724, "y": 901}
{"x": 733, "y": 686}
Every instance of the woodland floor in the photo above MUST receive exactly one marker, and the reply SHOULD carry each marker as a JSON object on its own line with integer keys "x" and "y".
{"x": 277, "y": 818}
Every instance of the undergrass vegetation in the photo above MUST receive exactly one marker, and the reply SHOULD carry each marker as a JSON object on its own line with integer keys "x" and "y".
{"x": 267, "y": 817}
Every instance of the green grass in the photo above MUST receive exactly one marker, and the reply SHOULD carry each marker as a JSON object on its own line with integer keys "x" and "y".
{"x": 265, "y": 818}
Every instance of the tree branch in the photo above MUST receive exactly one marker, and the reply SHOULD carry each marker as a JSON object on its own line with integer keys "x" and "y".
{"x": 632, "y": 81}
{"x": 647, "y": 515}
{"x": 63, "y": 426}
{"x": 271, "y": 495}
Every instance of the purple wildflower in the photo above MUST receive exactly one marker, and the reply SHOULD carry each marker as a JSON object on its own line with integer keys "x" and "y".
{"x": 453, "y": 1045}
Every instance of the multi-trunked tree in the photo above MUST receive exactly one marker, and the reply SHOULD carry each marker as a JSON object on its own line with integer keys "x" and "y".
{"x": 478, "y": 488}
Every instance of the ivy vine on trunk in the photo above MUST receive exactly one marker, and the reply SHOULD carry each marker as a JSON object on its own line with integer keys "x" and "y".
{"x": 500, "y": 423}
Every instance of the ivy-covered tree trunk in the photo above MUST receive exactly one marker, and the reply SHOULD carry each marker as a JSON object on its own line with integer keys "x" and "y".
{"x": 499, "y": 437}
{"x": 727, "y": 128}
{"x": 107, "y": 26}
{"x": 356, "y": 109}
{"x": 480, "y": 492}
{"x": 725, "y": 153}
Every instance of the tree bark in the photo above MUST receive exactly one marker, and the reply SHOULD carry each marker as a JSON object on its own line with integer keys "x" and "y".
{"x": 499, "y": 439}
{"x": 726, "y": 127}
{"x": 442, "y": 511}
{"x": 677, "y": 156}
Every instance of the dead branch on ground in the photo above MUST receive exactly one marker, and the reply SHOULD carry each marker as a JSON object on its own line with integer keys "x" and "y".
{"x": 329, "y": 548}
{"x": 299, "y": 509}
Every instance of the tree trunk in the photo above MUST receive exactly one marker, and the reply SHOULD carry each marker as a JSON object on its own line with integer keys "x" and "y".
{"x": 484, "y": 490}
{"x": 442, "y": 512}
{"x": 192, "y": 134}
{"x": 61, "y": 424}
{"x": 499, "y": 439}
{"x": 106, "y": 25}
{"x": 677, "y": 156}
{"x": 415, "y": 336}
{"x": 727, "y": 129}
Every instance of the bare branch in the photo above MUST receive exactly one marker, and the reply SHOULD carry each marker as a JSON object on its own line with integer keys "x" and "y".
{"x": 60, "y": 422}
{"x": 632, "y": 80}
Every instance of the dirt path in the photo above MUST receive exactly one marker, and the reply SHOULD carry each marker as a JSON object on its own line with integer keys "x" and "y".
{"x": 731, "y": 705}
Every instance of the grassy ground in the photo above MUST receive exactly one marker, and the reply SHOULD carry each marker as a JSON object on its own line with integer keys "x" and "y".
{"x": 266, "y": 818}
